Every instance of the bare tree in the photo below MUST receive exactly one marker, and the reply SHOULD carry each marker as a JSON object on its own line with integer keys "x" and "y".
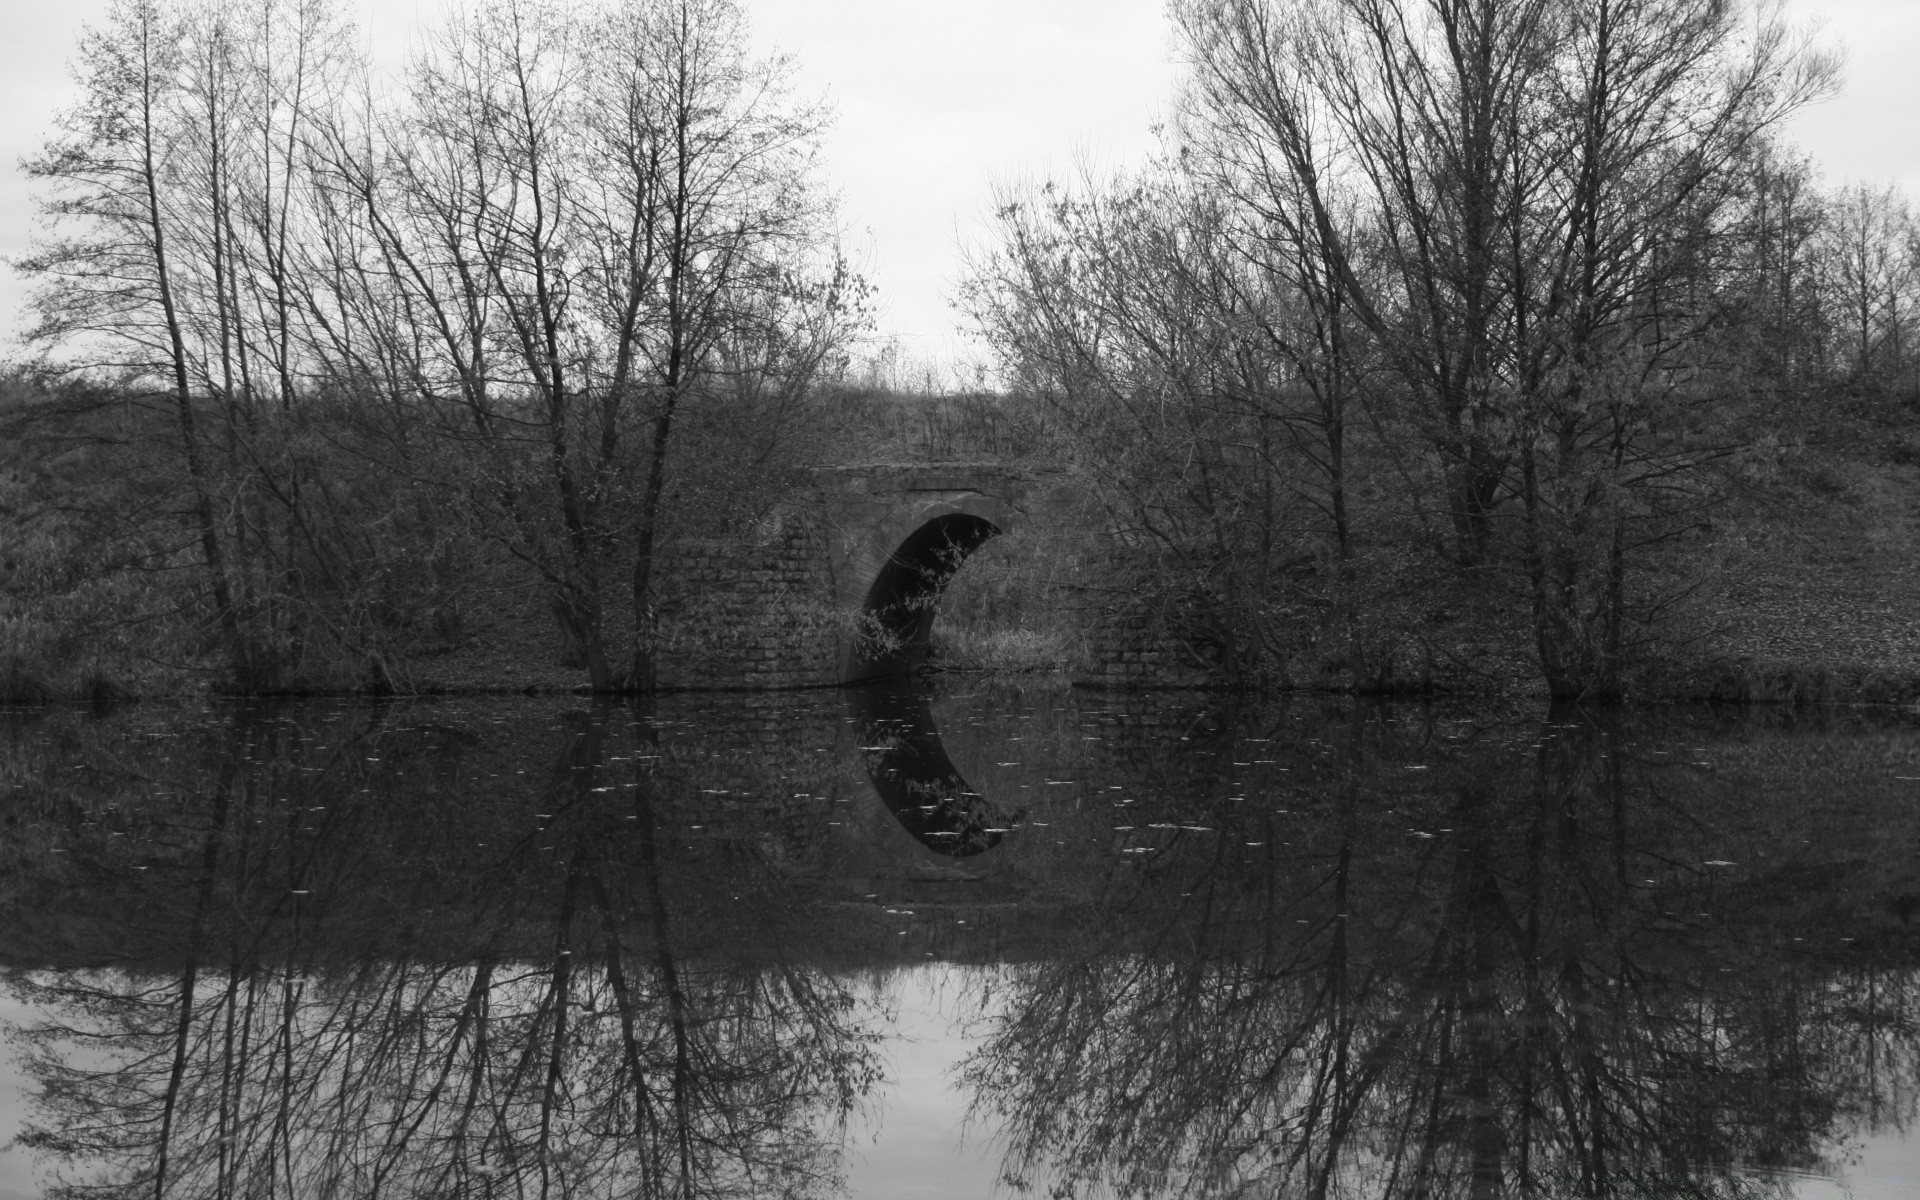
{"x": 709, "y": 230}
{"x": 109, "y": 270}
{"x": 178, "y": 196}
{"x": 506, "y": 282}
{"x": 1127, "y": 310}
{"x": 1869, "y": 255}
{"x": 1778, "y": 328}
{"x": 1541, "y": 185}
{"x": 588, "y": 219}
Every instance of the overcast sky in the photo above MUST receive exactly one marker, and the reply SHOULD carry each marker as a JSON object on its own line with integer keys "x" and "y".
{"x": 937, "y": 101}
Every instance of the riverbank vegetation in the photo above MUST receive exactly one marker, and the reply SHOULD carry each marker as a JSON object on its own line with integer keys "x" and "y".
{"x": 1432, "y": 310}
{"x": 334, "y": 348}
{"x": 1496, "y": 345}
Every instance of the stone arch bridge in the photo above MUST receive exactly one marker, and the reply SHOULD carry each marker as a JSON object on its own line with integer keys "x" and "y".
{"x": 840, "y": 585}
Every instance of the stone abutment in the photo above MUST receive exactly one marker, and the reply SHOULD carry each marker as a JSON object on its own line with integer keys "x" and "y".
{"x": 841, "y": 584}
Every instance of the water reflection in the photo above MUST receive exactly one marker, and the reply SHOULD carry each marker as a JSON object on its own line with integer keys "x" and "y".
{"x": 545, "y": 948}
{"x": 1525, "y": 975}
{"x": 362, "y": 967}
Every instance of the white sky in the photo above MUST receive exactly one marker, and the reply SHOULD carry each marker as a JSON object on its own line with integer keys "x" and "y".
{"x": 937, "y": 101}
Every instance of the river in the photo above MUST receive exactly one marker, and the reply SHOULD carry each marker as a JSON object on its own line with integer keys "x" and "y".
{"x": 957, "y": 940}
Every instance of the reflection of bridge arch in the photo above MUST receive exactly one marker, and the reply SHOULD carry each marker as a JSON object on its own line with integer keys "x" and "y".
{"x": 897, "y": 536}
{"x": 916, "y": 780}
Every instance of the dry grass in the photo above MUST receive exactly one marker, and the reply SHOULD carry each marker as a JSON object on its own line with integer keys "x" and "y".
{"x": 1001, "y": 650}
{"x": 1814, "y": 601}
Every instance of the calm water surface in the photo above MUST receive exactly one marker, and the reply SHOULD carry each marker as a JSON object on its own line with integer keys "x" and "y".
{"x": 965, "y": 942}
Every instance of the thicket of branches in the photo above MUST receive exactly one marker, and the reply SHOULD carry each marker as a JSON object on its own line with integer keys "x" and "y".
{"x": 1439, "y": 325}
{"x": 334, "y": 340}
{"x": 1443, "y": 302}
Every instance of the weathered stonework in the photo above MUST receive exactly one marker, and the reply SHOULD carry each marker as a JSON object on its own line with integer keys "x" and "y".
{"x": 839, "y": 585}
{"x": 755, "y": 612}
{"x": 1129, "y": 646}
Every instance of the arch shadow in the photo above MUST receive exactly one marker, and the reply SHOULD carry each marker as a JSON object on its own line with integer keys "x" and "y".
{"x": 900, "y": 606}
{"x": 913, "y": 775}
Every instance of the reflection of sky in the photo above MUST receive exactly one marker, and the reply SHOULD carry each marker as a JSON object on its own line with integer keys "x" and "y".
{"x": 16, "y": 1166}
{"x": 912, "y": 1143}
{"x": 1884, "y": 1167}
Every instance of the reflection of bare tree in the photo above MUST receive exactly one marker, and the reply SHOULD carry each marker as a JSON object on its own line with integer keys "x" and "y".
{"x": 1497, "y": 1007}
{"x": 586, "y": 1041}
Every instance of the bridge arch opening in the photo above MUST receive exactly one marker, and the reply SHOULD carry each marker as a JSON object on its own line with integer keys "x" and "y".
{"x": 898, "y": 613}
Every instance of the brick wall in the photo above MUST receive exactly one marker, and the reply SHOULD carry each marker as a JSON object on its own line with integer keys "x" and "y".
{"x": 1128, "y": 646}
{"x": 753, "y": 612}
{"x": 756, "y": 612}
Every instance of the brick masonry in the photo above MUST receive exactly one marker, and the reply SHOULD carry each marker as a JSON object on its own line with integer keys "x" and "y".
{"x": 755, "y": 612}
{"x": 780, "y": 605}
{"x": 1129, "y": 646}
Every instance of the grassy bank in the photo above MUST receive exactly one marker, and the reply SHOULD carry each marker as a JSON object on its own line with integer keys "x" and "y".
{"x": 1800, "y": 591}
